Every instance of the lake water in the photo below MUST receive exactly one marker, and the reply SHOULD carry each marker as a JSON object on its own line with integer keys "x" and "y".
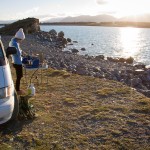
{"x": 108, "y": 41}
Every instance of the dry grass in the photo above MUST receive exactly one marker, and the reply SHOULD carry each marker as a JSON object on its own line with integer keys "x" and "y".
{"x": 78, "y": 113}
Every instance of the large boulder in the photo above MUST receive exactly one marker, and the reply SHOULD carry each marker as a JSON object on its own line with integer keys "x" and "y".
{"x": 61, "y": 34}
{"x": 130, "y": 60}
{"x": 53, "y": 33}
{"x": 29, "y": 25}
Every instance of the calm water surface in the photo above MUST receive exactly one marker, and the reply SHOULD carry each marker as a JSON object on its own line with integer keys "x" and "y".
{"x": 109, "y": 41}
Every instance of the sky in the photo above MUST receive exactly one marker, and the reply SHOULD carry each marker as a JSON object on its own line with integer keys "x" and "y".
{"x": 46, "y": 9}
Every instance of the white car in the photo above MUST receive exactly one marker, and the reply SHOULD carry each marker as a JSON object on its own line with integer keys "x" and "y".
{"x": 9, "y": 103}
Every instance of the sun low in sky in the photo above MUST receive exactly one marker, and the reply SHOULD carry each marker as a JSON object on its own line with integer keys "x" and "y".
{"x": 46, "y": 9}
{"x": 123, "y": 8}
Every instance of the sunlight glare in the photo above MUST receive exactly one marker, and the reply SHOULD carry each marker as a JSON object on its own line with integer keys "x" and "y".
{"x": 130, "y": 7}
{"x": 129, "y": 42}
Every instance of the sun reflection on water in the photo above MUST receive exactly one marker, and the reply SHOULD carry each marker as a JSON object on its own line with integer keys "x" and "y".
{"x": 129, "y": 38}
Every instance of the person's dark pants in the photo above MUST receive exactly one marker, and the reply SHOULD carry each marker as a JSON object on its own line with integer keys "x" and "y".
{"x": 19, "y": 75}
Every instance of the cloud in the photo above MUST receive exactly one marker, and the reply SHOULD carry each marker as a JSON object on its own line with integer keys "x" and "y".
{"x": 45, "y": 17}
{"x": 107, "y": 12}
{"x": 101, "y": 2}
{"x": 33, "y": 10}
{"x": 27, "y": 13}
{"x": 49, "y": 16}
{"x": 61, "y": 14}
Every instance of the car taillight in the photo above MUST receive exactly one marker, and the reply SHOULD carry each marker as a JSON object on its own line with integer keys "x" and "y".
{"x": 5, "y": 92}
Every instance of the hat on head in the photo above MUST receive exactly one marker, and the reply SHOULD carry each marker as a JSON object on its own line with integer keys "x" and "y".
{"x": 20, "y": 34}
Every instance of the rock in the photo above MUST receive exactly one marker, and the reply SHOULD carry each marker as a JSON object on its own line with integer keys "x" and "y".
{"x": 71, "y": 68}
{"x": 83, "y": 49}
{"x": 64, "y": 42}
{"x": 123, "y": 81}
{"x": 61, "y": 34}
{"x": 29, "y": 25}
{"x": 74, "y": 50}
{"x": 129, "y": 71}
{"x": 148, "y": 71}
{"x": 96, "y": 69}
{"x": 138, "y": 71}
{"x": 139, "y": 66}
{"x": 70, "y": 44}
{"x": 115, "y": 73}
{"x": 112, "y": 59}
{"x": 53, "y": 33}
{"x": 99, "y": 57}
{"x": 129, "y": 60}
{"x": 135, "y": 82}
{"x": 75, "y": 42}
{"x": 122, "y": 60}
{"x": 67, "y": 52}
{"x": 68, "y": 40}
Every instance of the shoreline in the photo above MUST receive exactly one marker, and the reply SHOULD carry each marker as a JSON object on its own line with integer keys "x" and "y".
{"x": 110, "y": 46}
{"x": 104, "y": 24}
{"x": 137, "y": 77}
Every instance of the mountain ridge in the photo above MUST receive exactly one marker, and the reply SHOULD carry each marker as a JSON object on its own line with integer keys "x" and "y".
{"x": 101, "y": 18}
{"x": 88, "y": 18}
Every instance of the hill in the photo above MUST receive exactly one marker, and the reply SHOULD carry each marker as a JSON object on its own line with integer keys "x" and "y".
{"x": 98, "y": 18}
{"x": 30, "y": 25}
{"x": 101, "y": 18}
{"x": 84, "y": 18}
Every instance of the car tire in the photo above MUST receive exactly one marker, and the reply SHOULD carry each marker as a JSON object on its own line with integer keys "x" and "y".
{"x": 16, "y": 106}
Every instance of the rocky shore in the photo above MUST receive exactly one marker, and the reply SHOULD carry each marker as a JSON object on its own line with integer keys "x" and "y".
{"x": 51, "y": 44}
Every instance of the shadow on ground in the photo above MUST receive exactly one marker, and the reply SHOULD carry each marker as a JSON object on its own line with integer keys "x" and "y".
{"x": 13, "y": 126}
{"x": 26, "y": 116}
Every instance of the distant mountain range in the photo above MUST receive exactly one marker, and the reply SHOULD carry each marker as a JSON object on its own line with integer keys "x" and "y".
{"x": 7, "y": 21}
{"x": 85, "y": 18}
{"x": 101, "y": 18}
{"x": 97, "y": 19}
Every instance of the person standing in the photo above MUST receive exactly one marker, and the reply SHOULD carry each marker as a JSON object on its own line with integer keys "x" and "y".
{"x": 17, "y": 58}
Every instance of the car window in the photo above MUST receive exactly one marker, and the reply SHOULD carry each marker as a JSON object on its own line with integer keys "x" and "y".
{"x": 3, "y": 61}
{"x": 1, "y": 53}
